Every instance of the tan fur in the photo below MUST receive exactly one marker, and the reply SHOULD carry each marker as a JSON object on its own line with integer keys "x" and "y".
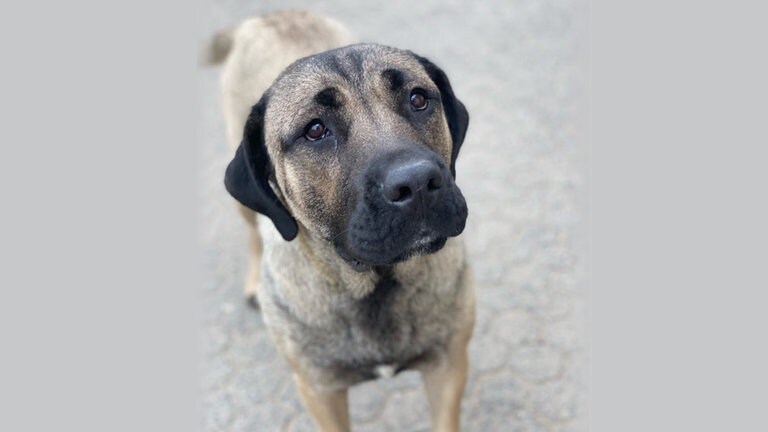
{"x": 256, "y": 51}
{"x": 306, "y": 274}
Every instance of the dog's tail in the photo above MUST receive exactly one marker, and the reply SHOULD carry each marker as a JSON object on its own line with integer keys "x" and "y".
{"x": 219, "y": 47}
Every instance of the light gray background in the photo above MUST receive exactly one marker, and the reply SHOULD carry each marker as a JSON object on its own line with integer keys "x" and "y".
{"x": 520, "y": 68}
{"x": 678, "y": 197}
{"x": 98, "y": 274}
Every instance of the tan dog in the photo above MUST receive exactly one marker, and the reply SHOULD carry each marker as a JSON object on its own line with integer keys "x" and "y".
{"x": 351, "y": 153}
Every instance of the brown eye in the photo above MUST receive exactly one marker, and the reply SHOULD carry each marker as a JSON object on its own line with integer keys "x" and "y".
{"x": 316, "y": 130}
{"x": 418, "y": 100}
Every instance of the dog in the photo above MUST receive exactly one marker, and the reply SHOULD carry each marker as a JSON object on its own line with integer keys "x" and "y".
{"x": 350, "y": 150}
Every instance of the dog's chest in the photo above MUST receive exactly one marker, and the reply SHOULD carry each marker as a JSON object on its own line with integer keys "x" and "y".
{"x": 379, "y": 314}
{"x": 391, "y": 329}
{"x": 341, "y": 338}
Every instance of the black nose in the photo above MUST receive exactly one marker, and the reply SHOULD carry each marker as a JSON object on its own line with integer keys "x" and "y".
{"x": 413, "y": 184}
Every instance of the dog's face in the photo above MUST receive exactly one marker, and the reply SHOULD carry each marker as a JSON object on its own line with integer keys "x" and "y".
{"x": 360, "y": 144}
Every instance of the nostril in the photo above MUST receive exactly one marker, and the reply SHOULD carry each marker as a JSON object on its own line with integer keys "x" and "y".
{"x": 398, "y": 193}
{"x": 434, "y": 183}
{"x": 404, "y": 193}
{"x": 413, "y": 183}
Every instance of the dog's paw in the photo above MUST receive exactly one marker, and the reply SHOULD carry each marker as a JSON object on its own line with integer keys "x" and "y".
{"x": 251, "y": 287}
{"x": 252, "y": 301}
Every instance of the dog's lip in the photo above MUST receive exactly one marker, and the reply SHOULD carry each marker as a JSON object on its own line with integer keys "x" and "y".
{"x": 424, "y": 238}
{"x": 354, "y": 262}
{"x": 358, "y": 265}
{"x": 430, "y": 244}
{"x": 424, "y": 244}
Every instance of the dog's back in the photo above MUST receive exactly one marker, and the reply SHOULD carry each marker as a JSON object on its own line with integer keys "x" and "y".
{"x": 256, "y": 51}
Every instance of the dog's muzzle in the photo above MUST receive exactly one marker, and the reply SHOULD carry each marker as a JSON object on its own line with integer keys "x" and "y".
{"x": 409, "y": 205}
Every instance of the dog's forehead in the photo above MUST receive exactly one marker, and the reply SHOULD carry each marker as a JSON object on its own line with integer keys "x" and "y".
{"x": 354, "y": 64}
{"x": 352, "y": 67}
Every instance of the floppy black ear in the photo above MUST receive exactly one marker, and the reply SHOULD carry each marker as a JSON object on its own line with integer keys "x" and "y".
{"x": 455, "y": 112}
{"x": 247, "y": 176}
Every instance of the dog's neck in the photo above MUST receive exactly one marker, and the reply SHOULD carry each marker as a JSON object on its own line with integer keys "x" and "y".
{"x": 327, "y": 264}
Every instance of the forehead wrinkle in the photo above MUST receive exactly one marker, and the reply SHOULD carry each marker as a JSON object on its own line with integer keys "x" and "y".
{"x": 295, "y": 97}
{"x": 329, "y": 97}
{"x": 394, "y": 77}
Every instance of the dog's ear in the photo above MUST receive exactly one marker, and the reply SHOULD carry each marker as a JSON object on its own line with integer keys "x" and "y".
{"x": 455, "y": 112}
{"x": 247, "y": 176}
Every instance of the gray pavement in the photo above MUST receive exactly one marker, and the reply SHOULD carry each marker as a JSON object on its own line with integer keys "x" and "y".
{"x": 517, "y": 65}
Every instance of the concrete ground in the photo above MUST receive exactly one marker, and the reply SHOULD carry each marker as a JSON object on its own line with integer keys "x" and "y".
{"x": 517, "y": 65}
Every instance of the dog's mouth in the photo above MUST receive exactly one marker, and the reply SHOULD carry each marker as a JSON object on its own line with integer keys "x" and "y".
{"x": 385, "y": 235}
{"x": 422, "y": 247}
{"x": 424, "y": 244}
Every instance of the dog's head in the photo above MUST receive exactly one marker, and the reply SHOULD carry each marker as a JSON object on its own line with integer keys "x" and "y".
{"x": 358, "y": 145}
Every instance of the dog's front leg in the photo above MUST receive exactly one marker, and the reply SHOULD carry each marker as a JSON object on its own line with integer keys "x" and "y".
{"x": 329, "y": 409}
{"x": 445, "y": 385}
{"x": 445, "y": 380}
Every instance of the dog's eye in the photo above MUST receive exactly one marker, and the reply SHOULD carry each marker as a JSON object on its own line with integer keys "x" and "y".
{"x": 316, "y": 130}
{"x": 419, "y": 100}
